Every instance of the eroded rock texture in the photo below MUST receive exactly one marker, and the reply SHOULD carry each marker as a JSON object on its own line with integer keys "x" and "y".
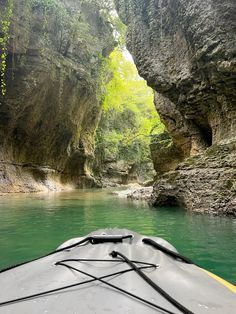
{"x": 49, "y": 114}
{"x": 186, "y": 51}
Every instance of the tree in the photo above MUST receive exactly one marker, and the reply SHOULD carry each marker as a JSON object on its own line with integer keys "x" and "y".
{"x": 129, "y": 118}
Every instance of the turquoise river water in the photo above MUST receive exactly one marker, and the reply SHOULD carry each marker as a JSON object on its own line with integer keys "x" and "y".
{"x": 32, "y": 225}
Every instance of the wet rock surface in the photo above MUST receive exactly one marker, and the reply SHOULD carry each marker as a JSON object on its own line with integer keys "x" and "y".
{"x": 142, "y": 194}
{"x": 165, "y": 155}
{"x": 186, "y": 51}
{"x": 50, "y": 112}
{"x": 135, "y": 192}
{"x": 205, "y": 183}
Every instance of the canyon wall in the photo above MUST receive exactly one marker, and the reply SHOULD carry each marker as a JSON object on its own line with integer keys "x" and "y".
{"x": 52, "y": 106}
{"x": 186, "y": 50}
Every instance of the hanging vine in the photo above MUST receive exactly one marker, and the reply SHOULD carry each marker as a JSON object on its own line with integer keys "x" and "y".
{"x": 4, "y": 37}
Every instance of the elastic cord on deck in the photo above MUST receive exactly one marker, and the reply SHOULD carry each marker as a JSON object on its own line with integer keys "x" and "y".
{"x": 41, "y": 294}
{"x": 174, "y": 302}
{"x": 96, "y": 239}
{"x": 167, "y": 251}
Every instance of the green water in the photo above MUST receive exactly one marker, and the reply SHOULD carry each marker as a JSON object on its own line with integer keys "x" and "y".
{"x": 31, "y": 225}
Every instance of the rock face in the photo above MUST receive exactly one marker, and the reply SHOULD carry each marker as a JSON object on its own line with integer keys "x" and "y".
{"x": 114, "y": 172}
{"x": 111, "y": 172}
{"x": 165, "y": 154}
{"x": 205, "y": 183}
{"x": 50, "y": 112}
{"x": 135, "y": 192}
{"x": 186, "y": 51}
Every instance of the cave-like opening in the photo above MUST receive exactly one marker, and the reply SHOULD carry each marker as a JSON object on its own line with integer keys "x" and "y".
{"x": 166, "y": 200}
{"x": 208, "y": 136}
{"x": 205, "y": 131}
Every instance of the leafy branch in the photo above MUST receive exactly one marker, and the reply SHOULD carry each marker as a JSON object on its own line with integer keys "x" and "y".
{"x": 4, "y": 38}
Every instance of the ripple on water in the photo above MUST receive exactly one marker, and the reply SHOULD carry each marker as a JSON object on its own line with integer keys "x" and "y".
{"x": 34, "y": 224}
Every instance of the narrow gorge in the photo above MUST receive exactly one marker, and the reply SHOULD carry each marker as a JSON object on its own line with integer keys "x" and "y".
{"x": 55, "y": 74}
{"x": 117, "y": 156}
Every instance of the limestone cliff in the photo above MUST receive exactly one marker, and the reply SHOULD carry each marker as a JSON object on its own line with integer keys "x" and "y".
{"x": 186, "y": 50}
{"x": 51, "y": 109}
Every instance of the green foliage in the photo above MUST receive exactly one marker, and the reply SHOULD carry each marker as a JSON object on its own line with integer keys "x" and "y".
{"x": 5, "y": 25}
{"x": 46, "y": 4}
{"x": 63, "y": 30}
{"x": 70, "y": 27}
{"x": 129, "y": 117}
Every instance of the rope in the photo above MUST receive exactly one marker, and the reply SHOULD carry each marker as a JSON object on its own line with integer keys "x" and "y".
{"x": 179, "y": 306}
{"x": 93, "y": 278}
{"x": 40, "y": 294}
{"x": 138, "y": 270}
{"x": 51, "y": 253}
{"x": 106, "y": 260}
{"x": 118, "y": 288}
{"x": 167, "y": 251}
{"x": 92, "y": 239}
